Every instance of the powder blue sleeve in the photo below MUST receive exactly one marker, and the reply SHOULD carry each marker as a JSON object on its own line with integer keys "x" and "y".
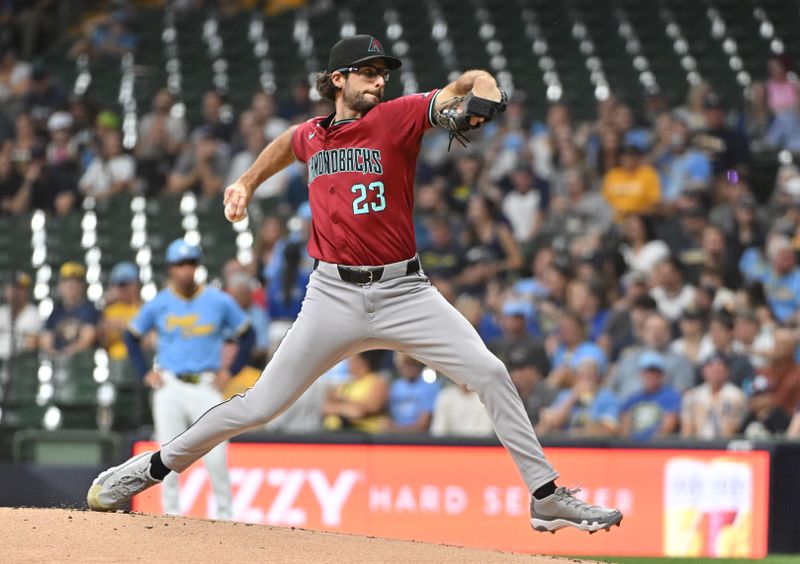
{"x": 145, "y": 320}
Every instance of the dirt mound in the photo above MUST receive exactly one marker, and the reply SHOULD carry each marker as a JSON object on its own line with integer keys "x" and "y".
{"x": 66, "y": 535}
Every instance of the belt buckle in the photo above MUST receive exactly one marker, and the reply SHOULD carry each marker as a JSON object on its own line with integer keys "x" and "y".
{"x": 371, "y": 277}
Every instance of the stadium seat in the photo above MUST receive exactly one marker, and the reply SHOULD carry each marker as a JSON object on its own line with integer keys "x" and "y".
{"x": 19, "y": 393}
{"x": 66, "y": 448}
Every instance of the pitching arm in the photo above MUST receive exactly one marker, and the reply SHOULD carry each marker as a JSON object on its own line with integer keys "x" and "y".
{"x": 275, "y": 157}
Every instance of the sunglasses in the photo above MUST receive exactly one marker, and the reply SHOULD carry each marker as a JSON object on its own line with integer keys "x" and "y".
{"x": 185, "y": 262}
{"x": 367, "y": 72}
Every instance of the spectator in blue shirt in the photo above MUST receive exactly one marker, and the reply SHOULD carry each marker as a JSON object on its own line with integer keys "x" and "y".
{"x": 585, "y": 409}
{"x": 411, "y": 398}
{"x": 240, "y": 286}
{"x": 784, "y": 131}
{"x": 568, "y": 343}
{"x": 683, "y": 168}
{"x": 654, "y": 410}
{"x": 782, "y": 283}
{"x": 72, "y": 327}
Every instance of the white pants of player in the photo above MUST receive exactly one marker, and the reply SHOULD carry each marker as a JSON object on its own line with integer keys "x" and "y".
{"x": 338, "y": 319}
{"x": 176, "y": 406}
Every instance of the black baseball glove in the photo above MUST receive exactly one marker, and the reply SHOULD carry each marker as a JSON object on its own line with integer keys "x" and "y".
{"x": 454, "y": 115}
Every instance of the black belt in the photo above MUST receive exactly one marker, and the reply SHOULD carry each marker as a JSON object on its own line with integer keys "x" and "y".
{"x": 356, "y": 275}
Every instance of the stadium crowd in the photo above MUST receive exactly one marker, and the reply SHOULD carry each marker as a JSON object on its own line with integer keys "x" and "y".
{"x": 622, "y": 267}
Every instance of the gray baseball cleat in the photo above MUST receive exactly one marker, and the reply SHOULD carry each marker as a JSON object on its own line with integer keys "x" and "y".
{"x": 116, "y": 486}
{"x": 562, "y": 509}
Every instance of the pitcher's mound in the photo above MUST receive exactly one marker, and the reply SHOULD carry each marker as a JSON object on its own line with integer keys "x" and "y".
{"x": 64, "y": 535}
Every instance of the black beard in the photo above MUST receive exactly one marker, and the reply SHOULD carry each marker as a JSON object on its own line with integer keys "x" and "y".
{"x": 358, "y": 102}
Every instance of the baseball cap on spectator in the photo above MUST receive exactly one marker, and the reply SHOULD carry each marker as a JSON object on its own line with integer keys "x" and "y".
{"x": 108, "y": 119}
{"x": 71, "y": 270}
{"x": 19, "y": 279}
{"x": 59, "y": 120}
{"x": 589, "y": 353}
{"x": 521, "y": 358}
{"x": 518, "y": 307}
{"x": 358, "y": 49}
{"x": 716, "y": 357}
{"x": 124, "y": 273}
{"x": 179, "y": 250}
{"x": 652, "y": 360}
{"x": 631, "y": 149}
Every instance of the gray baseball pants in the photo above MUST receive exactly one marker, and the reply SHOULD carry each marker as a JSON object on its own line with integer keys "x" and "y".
{"x": 338, "y": 319}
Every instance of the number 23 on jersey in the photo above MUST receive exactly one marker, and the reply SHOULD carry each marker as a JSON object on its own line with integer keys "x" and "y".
{"x": 360, "y": 205}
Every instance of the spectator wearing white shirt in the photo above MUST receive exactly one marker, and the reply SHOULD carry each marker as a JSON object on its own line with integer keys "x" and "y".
{"x": 15, "y": 76}
{"x": 459, "y": 412}
{"x": 669, "y": 291}
{"x": 523, "y": 206}
{"x": 20, "y": 322}
{"x": 694, "y": 344}
{"x": 641, "y": 250}
{"x": 111, "y": 172}
{"x": 716, "y": 408}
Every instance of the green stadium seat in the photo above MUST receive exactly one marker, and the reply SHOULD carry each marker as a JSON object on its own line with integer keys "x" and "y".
{"x": 66, "y": 447}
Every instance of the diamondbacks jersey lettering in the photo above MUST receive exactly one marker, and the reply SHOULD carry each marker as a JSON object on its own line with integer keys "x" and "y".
{"x": 360, "y": 215}
{"x": 351, "y": 159}
{"x": 191, "y": 331}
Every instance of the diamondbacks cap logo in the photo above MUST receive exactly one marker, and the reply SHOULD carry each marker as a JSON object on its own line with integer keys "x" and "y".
{"x": 375, "y": 46}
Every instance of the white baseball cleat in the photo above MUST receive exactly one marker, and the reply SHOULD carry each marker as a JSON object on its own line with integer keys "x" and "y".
{"x": 562, "y": 509}
{"x": 112, "y": 489}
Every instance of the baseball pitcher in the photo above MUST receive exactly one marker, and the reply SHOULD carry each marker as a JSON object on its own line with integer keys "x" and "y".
{"x": 368, "y": 290}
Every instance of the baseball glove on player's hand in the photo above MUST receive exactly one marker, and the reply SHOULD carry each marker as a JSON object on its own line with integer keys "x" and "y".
{"x": 456, "y": 113}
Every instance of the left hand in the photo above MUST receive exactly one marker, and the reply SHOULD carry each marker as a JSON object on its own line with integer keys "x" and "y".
{"x": 486, "y": 88}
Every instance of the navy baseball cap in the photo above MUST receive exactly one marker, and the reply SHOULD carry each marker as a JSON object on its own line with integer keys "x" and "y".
{"x": 357, "y": 49}
{"x": 179, "y": 250}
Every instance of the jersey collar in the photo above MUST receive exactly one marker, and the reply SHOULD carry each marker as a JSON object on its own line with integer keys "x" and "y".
{"x": 329, "y": 122}
{"x": 183, "y": 297}
{"x": 326, "y": 122}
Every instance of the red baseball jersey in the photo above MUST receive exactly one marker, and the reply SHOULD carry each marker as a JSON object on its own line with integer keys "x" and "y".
{"x": 361, "y": 181}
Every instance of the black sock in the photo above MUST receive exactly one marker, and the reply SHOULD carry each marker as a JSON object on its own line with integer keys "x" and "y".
{"x": 547, "y": 489}
{"x": 157, "y": 468}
